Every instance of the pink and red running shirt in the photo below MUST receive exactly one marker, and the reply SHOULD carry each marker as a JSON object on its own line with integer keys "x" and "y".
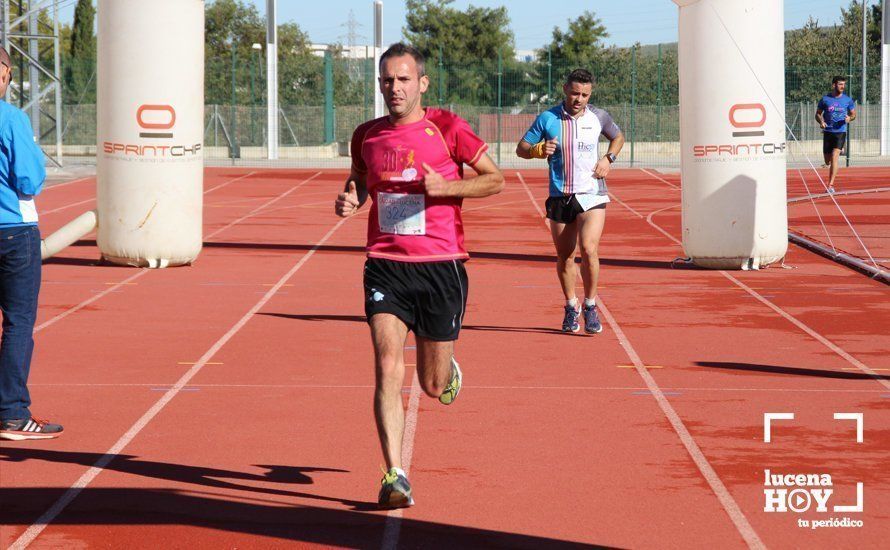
{"x": 405, "y": 224}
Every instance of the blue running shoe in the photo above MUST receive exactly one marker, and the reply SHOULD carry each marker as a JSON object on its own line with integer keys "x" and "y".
{"x": 592, "y": 323}
{"x": 395, "y": 491}
{"x": 570, "y": 321}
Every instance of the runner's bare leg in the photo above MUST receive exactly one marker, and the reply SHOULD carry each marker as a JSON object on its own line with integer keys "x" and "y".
{"x": 434, "y": 365}
{"x": 565, "y": 239}
{"x": 590, "y": 227}
{"x": 388, "y": 334}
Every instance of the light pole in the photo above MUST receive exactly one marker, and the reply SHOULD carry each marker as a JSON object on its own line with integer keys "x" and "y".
{"x": 272, "y": 77}
{"x": 259, "y": 49}
{"x": 236, "y": 150}
{"x": 378, "y": 50}
{"x": 864, "y": 51}
{"x": 885, "y": 77}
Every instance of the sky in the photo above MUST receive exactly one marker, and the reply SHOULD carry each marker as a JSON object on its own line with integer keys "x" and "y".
{"x": 628, "y": 21}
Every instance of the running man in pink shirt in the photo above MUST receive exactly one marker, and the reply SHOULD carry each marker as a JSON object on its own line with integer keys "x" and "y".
{"x": 411, "y": 165}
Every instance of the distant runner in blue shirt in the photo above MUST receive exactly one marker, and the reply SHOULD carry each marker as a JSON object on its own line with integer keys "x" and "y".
{"x": 21, "y": 177}
{"x": 568, "y": 137}
{"x": 834, "y": 112}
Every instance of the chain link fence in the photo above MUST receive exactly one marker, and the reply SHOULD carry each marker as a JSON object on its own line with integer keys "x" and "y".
{"x": 324, "y": 98}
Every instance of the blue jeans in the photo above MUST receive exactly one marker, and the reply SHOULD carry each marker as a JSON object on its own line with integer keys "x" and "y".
{"x": 19, "y": 286}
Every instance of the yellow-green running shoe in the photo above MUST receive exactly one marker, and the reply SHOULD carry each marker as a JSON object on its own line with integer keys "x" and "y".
{"x": 453, "y": 388}
{"x": 396, "y": 491}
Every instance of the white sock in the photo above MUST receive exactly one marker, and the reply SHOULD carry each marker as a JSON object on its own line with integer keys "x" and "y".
{"x": 573, "y": 302}
{"x": 588, "y": 302}
{"x": 401, "y": 472}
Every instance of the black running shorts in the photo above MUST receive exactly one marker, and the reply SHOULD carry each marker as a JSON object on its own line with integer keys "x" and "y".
{"x": 832, "y": 141}
{"x": 429, "y": 297}
{"x": 565, "y": 209}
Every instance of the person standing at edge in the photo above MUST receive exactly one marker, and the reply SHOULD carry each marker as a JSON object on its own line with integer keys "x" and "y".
{"x": 21, "y": 177}
{"x": 410, "y": 163}
{"x": 568, "y": 137}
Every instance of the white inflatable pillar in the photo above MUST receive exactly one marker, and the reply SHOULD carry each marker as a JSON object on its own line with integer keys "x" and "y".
{"x": 732, "y": 132}
{"x": 68, "y": 234}
{"x": 150, "y": 131}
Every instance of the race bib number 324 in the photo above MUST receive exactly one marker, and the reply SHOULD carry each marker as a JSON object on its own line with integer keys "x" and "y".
{"x": 402, "y": 213}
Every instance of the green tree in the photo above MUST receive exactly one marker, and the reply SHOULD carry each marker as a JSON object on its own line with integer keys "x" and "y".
{"x": 469, "y": 43}
{"x": 230, "y": 29}
{"x": 302, "y": 75}
{"x": 235, "y": 73}
{"x": 81, "y": 68}
{"x": 809, "y": 61}
{"x": 233, "y": 25}
{"x": 813, "y": 54}
{"x": 581, "y": 44}
{"x": 852, "y": 34}
{"x": 463, "y": 37}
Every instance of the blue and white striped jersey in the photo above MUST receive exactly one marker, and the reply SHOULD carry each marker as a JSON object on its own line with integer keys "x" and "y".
{"x": 572, "y": 165}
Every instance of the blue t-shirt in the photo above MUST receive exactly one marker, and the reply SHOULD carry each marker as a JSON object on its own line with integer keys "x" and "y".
{"x": 21, "y": 168}
{"x": 835, "y": 111}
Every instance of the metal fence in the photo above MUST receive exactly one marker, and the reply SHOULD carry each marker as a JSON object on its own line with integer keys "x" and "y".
{"x": 324, "y": 98}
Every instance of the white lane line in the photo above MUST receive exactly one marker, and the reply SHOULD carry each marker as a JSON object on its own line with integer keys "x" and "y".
{"x": 64, "y": 183}
{"x": 656, "y": 176}
{"x": 534, "y": 202}
{"x": 723, "y": 495}
{"x": 509, "y": 388}
{"x": 729, "y": 504}
{"x": 89, "y": 301}
{"x": 66, "y": 207}
{"x": 225, "y": 183}
{"x": 262, "y": 206}
{"x": 624, "y": 204}
{"x": 72, "y": 205}
{"x": 815, "y": 335}
{"x": 790, "y": 318}
{"x": 393, "y": 527}
{"x": 44, "y": 520}
{"x": 658, "y": 228}
{"x": 142, "y": 272}
{"x": 490, "y": 206}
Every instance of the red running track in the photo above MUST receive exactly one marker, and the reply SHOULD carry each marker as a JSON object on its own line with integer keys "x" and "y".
{"x": 229, "y": 404}
{"x": 854, "y": 220}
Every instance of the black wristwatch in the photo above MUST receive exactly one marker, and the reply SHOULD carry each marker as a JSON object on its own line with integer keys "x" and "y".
{"x": 612, "y": 157}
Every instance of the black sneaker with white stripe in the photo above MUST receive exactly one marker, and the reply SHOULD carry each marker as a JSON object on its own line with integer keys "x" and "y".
{"x": 29, "y": 428}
